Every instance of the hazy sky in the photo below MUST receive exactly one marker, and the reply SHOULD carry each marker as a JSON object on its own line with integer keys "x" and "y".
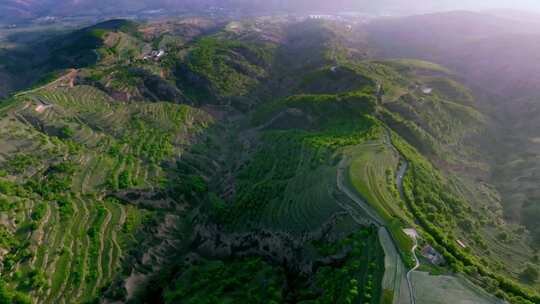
{"x": 486, "y": 4}
{"x": 402, "y": 5}
{"x": 527, "y": 5}
{"x": 33, "y": 8}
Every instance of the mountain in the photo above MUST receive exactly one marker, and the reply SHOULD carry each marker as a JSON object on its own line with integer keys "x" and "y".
{"x": 272, "y": 159}
{"x": 493, "y": 53}
{"x": 17, "y": 10}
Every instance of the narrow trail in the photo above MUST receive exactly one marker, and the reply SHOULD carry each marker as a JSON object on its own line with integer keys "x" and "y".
{"x": 371, "y": 214}
{"x": 343, "y": 165}
{"x": 69, "y": 76}
{"x": 402, "y": 170}
{"x": 417, "y": 264}
{"x": 374, "y": 217}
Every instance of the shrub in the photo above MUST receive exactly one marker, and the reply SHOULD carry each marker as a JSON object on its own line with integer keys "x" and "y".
{"x": 39, "y": 212}
{"x": 66, "y": 132}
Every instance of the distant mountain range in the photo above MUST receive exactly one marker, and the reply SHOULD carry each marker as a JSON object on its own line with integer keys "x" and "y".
{"x": 492, "y": 50}
{"x": 249, "y": 159}
{"x": 498, "y": 55}
{"x": 14, "y": 10}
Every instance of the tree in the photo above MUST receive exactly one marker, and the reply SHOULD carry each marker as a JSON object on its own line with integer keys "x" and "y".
{"x": 124, "y": 180}
{"x": 66, "y": 132}
{"x": 6, "y": 295}
{"x": 20, "y": 298}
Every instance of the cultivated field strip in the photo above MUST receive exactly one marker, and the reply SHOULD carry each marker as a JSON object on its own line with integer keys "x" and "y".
{"x": 88, "y": 146}
{"x": 64, "y": 260}
{"x": 78, "y": 249}
{"x": 394, "y": 276}
{"x": 75, "y": 261}
{"x": 308, "y": 200}
{"x": 40, "y": 233}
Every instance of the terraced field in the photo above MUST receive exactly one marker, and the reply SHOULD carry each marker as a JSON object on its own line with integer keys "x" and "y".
{"x": 308, "y": 200}
{"x": 372, "y": 172}
{"x": 87, "y": 251}
{"x": 288, "y": 184}
{"x": 72, "y": 236}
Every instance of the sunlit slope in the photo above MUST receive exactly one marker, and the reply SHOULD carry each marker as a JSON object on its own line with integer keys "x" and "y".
{"x": 64, "y": 151}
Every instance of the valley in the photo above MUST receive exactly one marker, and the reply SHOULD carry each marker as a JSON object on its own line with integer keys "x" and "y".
{"x": 262, "y": 160}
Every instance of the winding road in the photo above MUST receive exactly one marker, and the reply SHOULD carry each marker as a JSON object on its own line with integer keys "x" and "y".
{"x": 360, "y": 202}
{"x": 374, "y": 217}
{"x": 411, "y": 232}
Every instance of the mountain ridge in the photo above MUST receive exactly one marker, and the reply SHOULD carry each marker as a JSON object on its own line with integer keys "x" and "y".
{"x": 16, "y": 10}
{"x": 242, "y": 167}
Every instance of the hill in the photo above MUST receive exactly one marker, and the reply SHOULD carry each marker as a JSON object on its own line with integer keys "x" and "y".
{"x": 23, "y": 10}
{"x": 259, "y": 159}
{"x": 471, "y": 43}
{"x": 493, "y": 54}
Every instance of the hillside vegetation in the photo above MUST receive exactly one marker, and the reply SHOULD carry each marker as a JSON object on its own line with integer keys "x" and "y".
{"x": 262, "y": 160}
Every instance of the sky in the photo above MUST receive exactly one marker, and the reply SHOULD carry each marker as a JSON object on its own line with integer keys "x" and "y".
{"x": 437, "y": 5}
{"x": 488, "y": 4}
{"x": 35, "y": 8}
{"x": 405, "y": 6}
{"x": 430, "y": 5}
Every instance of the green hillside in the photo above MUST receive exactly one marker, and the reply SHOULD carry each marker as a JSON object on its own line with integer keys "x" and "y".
{"x": 260, "y": 161}
{"x": 68, "y": 150}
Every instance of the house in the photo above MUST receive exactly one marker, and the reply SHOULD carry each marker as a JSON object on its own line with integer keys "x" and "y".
{"x": 433, "y": 255}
